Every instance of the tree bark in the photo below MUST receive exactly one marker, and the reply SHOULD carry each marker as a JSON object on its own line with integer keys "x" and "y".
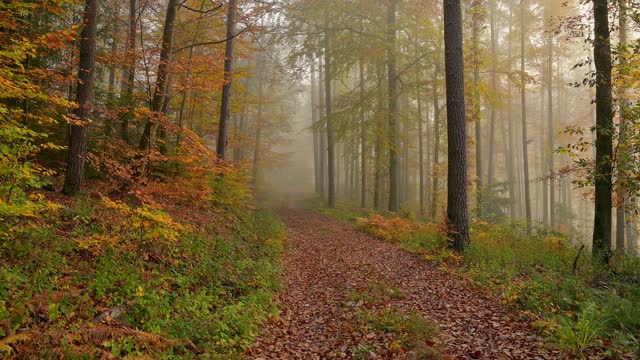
{"x": 225, "y": 101}
{"x": 622, "y": 197}
{"x": 523, "y": 96}
{"x": 457, "y": 213}
{"x": 394, "y": 164}
{"x": 436, "y": 141}
{"x": 331, "y": 168}
{"x": 128, "y": 77}
{"x": 363, "y": 141}
{"x": 74, "y": 179}
{"x": 162, "y": 80}
{"x": 604, "y": 133}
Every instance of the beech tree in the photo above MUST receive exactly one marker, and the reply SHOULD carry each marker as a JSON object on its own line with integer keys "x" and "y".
{"x": 79, "y": 130}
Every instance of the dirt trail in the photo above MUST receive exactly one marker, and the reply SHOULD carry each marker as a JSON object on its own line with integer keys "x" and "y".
{"x": 327, "y": 260}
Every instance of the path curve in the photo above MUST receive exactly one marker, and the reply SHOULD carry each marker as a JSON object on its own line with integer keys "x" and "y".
{"x": 326, "y": 259}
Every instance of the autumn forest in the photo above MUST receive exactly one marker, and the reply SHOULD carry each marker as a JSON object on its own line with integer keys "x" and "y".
{"x": 319, "y": 179}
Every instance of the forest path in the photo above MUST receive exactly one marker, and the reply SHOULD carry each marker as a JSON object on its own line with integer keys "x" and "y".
{"x": 327, "y": 261}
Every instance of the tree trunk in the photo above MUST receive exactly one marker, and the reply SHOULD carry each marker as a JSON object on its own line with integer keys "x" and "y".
{"x": 523, "y": 95}
{"x": 162, "y": 80}
{"x": 259, "y": 125}
{"x": 513, "y": 203}
{"x": 494, "y": 85}
{"x": 225, "y": 101}
{"x": 74, "y": 179}
{"x": 128, "y": 77}
{"x": 331, "y": 168}
{"x": 394, "y": 165}
{"x": 322, "y": 131}
{"x": 552, "y": 197}
{"x": 436, "y": 141}
{"x": 314, "y": 130}
{"x": 420, "y": 148}
{"x": 604, "y": 132}
{"x": 622, "y": 198}
{"x": 476, "y": 9}
{"x": 457, "y": 215}
{"x": 363, "y": 141}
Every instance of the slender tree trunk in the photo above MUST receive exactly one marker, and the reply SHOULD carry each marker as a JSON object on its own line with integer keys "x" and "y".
{"x": 436, "y": 146}
{"x": 377, "y": 191}
{"x": 420, "y": 147}
{"x": 552, "y": 197}
{"x": 225, "y": 102}
{"x": 475, "y": 111}
{"x": 494, "y": 85}
{"x": 162, "y": 80}
{"x": 394, "y": 165}
{"x": 330, "y": 134}
{"x": 322, "y": 131}
{"x": 622, "y": 197}
{"x": 314, "y": 130}
{"x": 259, "y": 125}
{"x": 604, "y": 132}
{"x": 128, "y": 77}
{"x": 457, "y": 215}
{"x": 513, "y": 203}
{"x": 525, "y": 152}
{"x": 74, "y": 179}
{"x": 363, "y": 141}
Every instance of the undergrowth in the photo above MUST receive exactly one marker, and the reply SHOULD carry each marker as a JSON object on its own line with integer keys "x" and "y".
{"x": 93, "y": 277}
{"x": 586, "y": 310}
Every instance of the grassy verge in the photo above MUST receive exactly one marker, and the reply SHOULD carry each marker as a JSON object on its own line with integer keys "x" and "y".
{"x": 583, "y": 309}
{"x": 92, "y": 277}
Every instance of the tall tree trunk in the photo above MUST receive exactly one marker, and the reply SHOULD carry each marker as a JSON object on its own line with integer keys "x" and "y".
{"x": 436, "y": 141}
{"x": 457, "y": 215}
{"x": 494, "y": 85}
{"x": 259, "y": 125}
{"x": 552, "y": 197}
{"x": 322, "y": 130}
{"x": 330, "y": 133}
{"x": 128, "y": 77}
{"x": 363, "y": 141}
{"x": 377, "y": 186}
{"x": 523, "y": 95}
{"x": 513, "y": 203}
{"x": 314, "y": 130}
{"x": 394, "y": 165}
{"x": 604, "y": 132}
{"x": 225, "y": 101}
{"x": 622, "y": 197}
{"x": 476, "y": 9}
{"x": 162, "y": 80}
{"x": 74, "y": 178}
{"x": 420, "y": 147}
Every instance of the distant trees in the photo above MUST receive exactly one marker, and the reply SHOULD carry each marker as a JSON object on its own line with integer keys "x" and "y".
{"x": 457, "y": 215}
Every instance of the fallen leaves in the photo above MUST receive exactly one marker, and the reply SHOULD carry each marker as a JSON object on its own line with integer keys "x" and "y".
{"x": 328, "y": 261}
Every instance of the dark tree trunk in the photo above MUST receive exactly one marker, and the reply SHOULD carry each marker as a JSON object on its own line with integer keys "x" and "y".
{"x": 604, "y": 132}
{"x": 162, "y": 79}
{"x": 457, "y": 213}
{"x": 74, "y": 179}
{"x": 225, "y": 101}
{"x": 394, "y": 163}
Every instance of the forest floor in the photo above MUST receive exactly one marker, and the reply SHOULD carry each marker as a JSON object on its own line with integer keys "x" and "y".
{"x": 350, "y": 295}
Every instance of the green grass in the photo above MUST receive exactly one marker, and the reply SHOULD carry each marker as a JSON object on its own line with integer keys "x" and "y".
{"x": 177, "y": 285}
